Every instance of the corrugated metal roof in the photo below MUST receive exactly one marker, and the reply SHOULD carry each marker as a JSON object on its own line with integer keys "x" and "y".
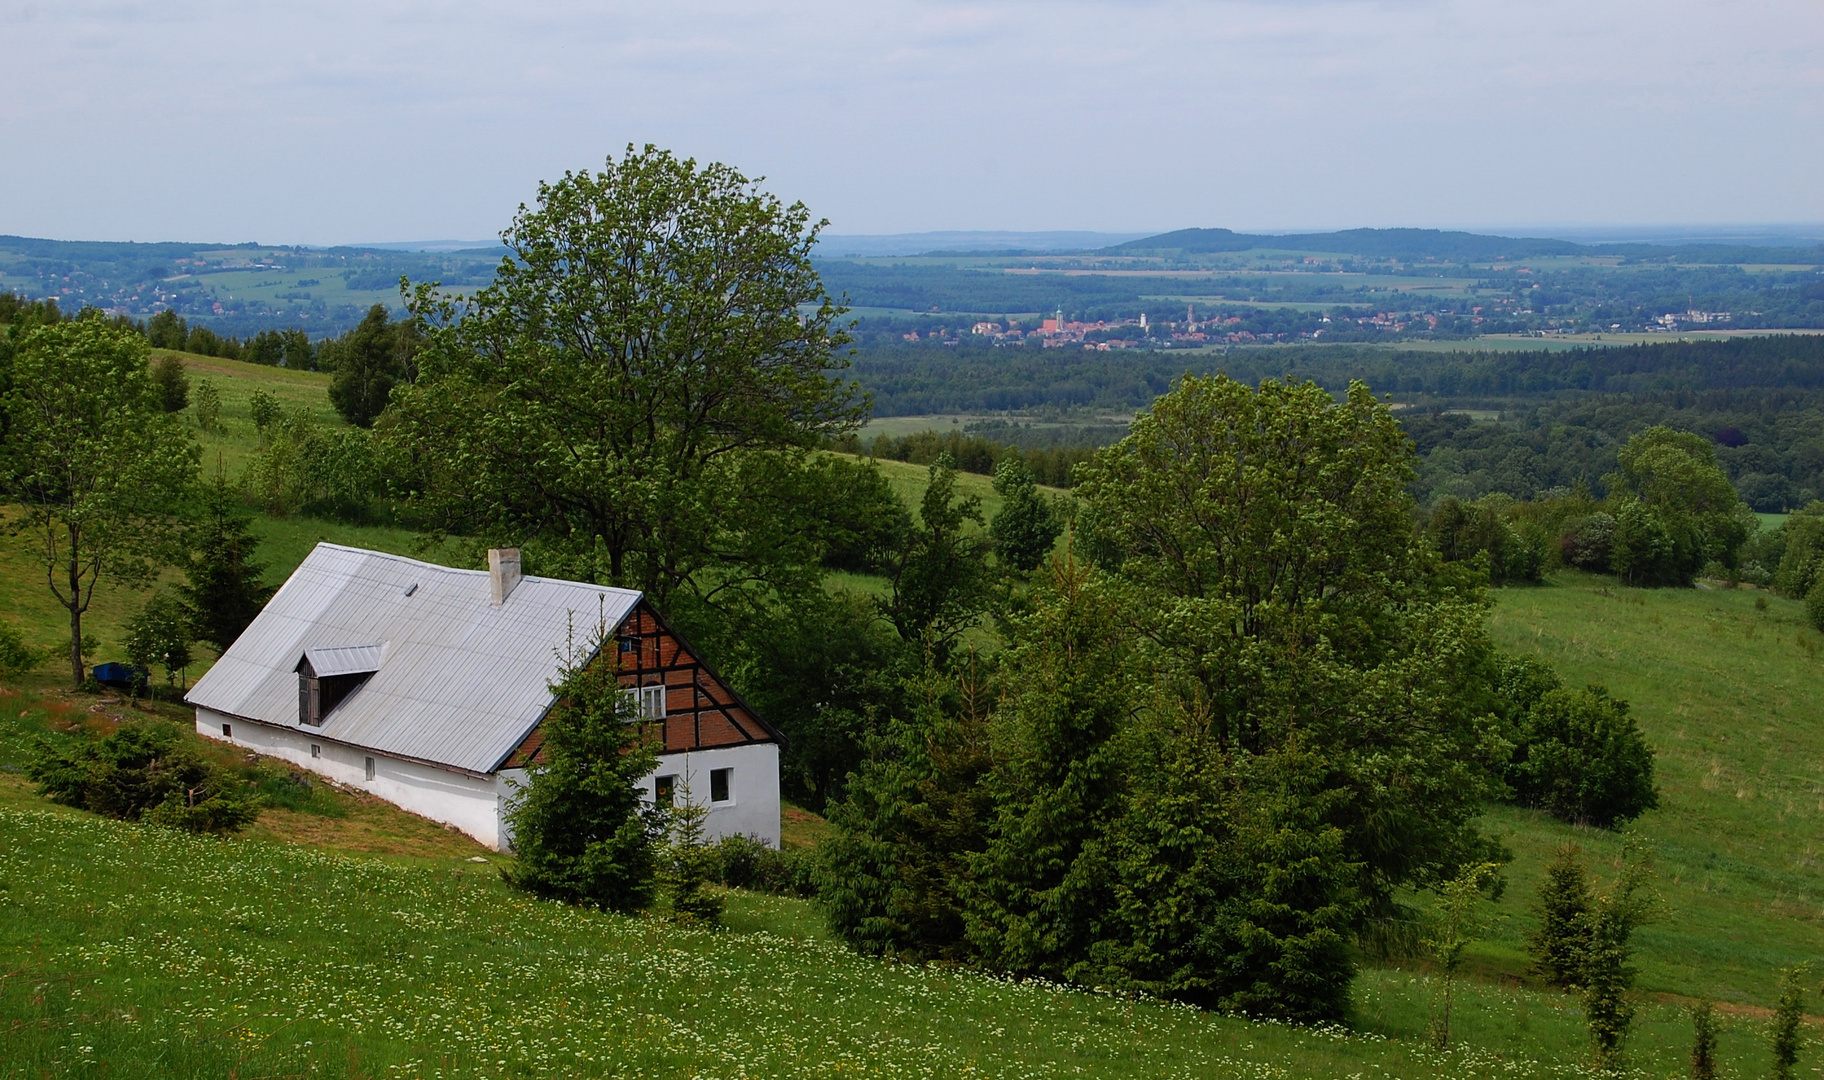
{"x": 345, "y": 660}
{"x": 459, "y": 681}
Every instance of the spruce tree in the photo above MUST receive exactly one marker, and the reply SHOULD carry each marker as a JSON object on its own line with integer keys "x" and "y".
{"x": 1786, "y": 1018}
{"x": 224, "y": 590}
{"x": 1026, "y": 526}
{"x": 582, "y": 832}
{"x": 1564, "y": 911}
{"x": 1703, "y": 1041}
{"x": 1042, "y": 889}
{"x": 1230, "y": 890}
{"x": 687, "y": 863}
{"x": 891, "y": 877}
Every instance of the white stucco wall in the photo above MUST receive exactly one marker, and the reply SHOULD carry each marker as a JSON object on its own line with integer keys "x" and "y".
{"x": 475, "y": 804}
{"x": 753, "y": 806}
{"x": 470, "y": 803}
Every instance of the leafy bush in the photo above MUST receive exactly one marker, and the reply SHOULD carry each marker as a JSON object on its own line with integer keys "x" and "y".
{"x": 1581, "y": 758}
{"x": 159, "y": 633}
{"x": 1814, "y": 605}
{"x": 208, "y": 406}
{"x": 746, "y": 862}
{"x": 329, "y": 472}
{"x": 1589, "y": 542}
{"x": 1467, "y": 532}
{"x": 148, "y": 772}
{"x": 16, "y": 657}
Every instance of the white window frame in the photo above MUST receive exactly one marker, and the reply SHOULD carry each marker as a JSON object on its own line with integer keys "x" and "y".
{"x": 649, "y": 701}
{"x": 730, "y": 800}
{"x": 370, "y": 768}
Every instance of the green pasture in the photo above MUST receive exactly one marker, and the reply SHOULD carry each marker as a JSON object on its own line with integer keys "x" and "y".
{"x": 1727, "y": 692}
{"x": 133, "y": 951}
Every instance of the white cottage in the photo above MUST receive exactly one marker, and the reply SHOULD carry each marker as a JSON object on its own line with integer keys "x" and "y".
{"x": 426, "y": 686}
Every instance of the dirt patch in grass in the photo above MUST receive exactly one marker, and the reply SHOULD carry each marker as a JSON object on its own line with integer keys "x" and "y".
{"x": 799, "y": 828}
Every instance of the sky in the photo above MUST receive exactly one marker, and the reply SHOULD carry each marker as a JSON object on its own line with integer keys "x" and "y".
{"x": 335, "y": 122}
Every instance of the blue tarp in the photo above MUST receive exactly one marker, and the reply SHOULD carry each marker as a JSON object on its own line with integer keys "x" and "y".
{"x": 123, "y": 676}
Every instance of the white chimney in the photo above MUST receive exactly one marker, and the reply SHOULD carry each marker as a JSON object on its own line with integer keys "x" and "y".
{"x": 503, "y": 572}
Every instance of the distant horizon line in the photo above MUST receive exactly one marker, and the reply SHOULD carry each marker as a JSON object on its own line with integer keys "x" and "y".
{"x": 1040, "y": 239}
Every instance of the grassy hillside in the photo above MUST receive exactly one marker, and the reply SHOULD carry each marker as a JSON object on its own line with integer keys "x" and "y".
{"x": 407, "y": 959}
{"x": 1728, "y": 693}
{"x": 132, "y": 951}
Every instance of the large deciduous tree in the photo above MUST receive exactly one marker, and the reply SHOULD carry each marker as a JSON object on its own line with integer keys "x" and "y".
{"x": 99, "y": 465}
{"x": 1677, "y": 511}
{"x": 637, "y": 397}
{"x": 1262, "y": 541}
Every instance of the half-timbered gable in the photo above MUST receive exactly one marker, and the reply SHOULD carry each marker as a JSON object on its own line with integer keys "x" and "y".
{"x": 684, "y": 703}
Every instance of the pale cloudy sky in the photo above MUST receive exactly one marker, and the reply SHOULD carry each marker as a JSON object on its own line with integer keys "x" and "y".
{"x": 376, "y": 120}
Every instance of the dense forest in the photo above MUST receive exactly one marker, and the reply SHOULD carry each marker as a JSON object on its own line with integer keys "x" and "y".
{"x": 1518, "y": 423}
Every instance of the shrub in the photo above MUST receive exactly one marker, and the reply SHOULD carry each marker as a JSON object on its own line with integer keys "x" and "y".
{"x": 1645, "y": 552}
{"x": 265, "y": 409}
{"x": 148, "y": 772}
{"x": 1814, "y": 605}
{"x": 1581, "y": 758}
{"x": 208, "y": 406}
{"x": 16, "y": 657}
{"x": 746, "y": 862}
{"x": 1480, "y": 530}
{"x": 159, "y": 633}
{"x": 1589, "y": 543}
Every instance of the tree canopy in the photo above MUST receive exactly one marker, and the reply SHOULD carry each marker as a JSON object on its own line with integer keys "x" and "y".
{"x": 635, "y": 396}
{"x": 99, "y": 465}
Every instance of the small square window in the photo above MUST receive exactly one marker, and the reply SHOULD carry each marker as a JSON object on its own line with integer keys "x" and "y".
{"x": 315, "y": 750}
{"x": 370, "y": 768}
{"x": 719, "y": 784}
{"x": 227, "y": 731}
{"x": 630, "y": 645}
{"x": 663, "y": 788}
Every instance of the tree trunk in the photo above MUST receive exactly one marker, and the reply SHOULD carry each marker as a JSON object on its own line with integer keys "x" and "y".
{"x": 76, "y": 607}
{"x": 75, "y": 645}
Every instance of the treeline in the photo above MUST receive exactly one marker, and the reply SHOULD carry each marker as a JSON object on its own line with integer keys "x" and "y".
{"x": 970, "y": 453}
{"x": 1771, "y": 444}
{"x": 905, "y": 381}
{"x": 1672, "y": 514}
